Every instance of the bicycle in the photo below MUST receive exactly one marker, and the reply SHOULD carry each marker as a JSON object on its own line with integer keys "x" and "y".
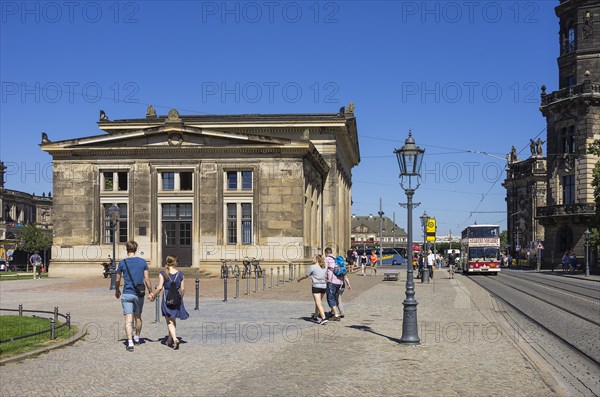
{"x": 250, "y": 262}
{"x": 229, "y": 270}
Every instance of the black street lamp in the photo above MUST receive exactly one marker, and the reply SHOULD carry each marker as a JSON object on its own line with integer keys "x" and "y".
{"x": 425, "y": 275}
{"x": 586, "y": 239}
{"x": 410, "y": 157}
{"x": 424, "y": 218}
{"x": 113, "y": 216}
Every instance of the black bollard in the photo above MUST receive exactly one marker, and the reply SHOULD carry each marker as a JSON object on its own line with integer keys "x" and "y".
{"x": 197, "y": 307}
{"x": 52, "y": 329}
{"x": 68, "y": 315}
{"x": 225, "y": 288}
{"x": 248, "y": 283}
{"x": 283, "y": 279}
{"x": 20, "y": 310}
{"x": 277, "y": 281}
{"x": 264, "y": 281}
{"x": 255, "y": 280}
{"x": 55, "y": 314}
{"x": 156, "y": 307}
{"x": 237, "y": 286}
{"x": 271, "y": 278}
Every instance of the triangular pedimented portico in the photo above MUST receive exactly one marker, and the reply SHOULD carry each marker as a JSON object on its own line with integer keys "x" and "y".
{"x": 205, "y": 188}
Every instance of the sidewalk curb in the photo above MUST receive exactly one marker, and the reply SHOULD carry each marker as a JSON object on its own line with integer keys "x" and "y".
{"x": 67, "y": 342}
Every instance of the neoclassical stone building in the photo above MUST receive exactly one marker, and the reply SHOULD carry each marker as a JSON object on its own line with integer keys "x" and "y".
{"x": 205, "y": 188}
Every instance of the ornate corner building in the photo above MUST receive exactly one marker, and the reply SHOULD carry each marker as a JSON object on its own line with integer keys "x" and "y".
{"x": 204, "y": 188}
{"x": 20, "y": 208}
{"x": 573, "y": 122}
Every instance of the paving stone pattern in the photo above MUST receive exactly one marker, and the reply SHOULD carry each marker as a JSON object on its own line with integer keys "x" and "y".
{"x": 264, "y": 344}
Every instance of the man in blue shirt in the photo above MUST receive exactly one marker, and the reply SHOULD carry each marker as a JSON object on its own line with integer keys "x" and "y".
{"x": 131, "y": 302}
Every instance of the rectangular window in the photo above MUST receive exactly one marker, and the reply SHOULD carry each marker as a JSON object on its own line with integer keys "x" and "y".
{"x": 235, "y": 177}
{"x": 246, "y": 180}
{"x": 120, "y": 229}
{"x": 168, "y": 180}
{"x": 231, "y": 180}
{"x": 185, "y": 234}
{"x": 122, "y": 178}
{"x": 231, "y": 223}
{"x": 171, "y": 212}
{"x": 569, "y": 189}
{"x": 246, "y": 223}
{"x": 108, "y": 181}
{"x": 185, "y": 181}
{"x": 572, "y": 140}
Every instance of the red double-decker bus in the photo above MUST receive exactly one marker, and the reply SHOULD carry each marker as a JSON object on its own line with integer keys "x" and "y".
{"x": 480, "y": 251}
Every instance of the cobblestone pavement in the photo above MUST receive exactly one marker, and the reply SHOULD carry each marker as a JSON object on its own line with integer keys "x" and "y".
{"x": 264, "y": 344}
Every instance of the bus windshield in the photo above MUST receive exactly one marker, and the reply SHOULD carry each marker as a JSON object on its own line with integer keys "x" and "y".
{"x": 484, "y": 253}
{"x": 482, "y": 232}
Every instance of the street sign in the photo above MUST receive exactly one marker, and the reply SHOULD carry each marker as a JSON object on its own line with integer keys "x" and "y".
{"x": 431, "y": 228}
{"x": 540, "y": 246}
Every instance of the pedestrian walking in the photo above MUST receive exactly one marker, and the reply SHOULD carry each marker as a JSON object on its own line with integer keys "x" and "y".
{"x": 350, "y": 260}
{"x": 566, "y": 261}
{"x": 36, "y": 263}
{"x": 333, "y": 285}
{"x": 318, "y": 272}
{"x": 373, "y": 260}
{"x": 171, "y": 280}
{"x": 363, "y": 263}
{"x": 133, "y": 270}
{"x": 451, "y": 264}
{"x": 430, "y": 264}
{"x": 573, "y": 263}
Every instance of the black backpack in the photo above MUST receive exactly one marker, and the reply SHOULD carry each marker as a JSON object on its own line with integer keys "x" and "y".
{"x": 173, "y": 299}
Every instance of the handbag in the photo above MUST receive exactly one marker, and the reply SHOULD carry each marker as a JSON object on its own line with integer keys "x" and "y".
{"x": 140, "y": 289}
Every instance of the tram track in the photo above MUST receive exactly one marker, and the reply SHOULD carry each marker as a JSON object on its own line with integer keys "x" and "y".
{"x": 535, "y": 321}
{"x": 559, "y": 284}
{"x": 561, "y": 307}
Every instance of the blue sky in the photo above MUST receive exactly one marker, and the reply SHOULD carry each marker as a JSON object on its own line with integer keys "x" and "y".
{"x": 465, "y": 77}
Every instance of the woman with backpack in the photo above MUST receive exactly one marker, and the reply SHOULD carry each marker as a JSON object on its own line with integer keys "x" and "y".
{"x": 172, "y": 306}
{"x": 318, "y": 272}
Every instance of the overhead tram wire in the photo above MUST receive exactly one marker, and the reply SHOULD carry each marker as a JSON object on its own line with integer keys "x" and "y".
{"x": 460, "y": 225}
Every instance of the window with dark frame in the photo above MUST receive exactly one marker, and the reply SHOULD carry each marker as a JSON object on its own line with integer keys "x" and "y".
{"x": 568, "y": 189}
{"x": 231, "y": 223}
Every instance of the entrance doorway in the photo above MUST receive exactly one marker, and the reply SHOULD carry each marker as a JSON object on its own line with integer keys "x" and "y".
{"x": 177, "y": 232}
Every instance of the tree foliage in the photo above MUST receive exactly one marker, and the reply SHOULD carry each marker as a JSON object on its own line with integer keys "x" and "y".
{"x": 32, "y": 239}
{"x": 594, "y": 149}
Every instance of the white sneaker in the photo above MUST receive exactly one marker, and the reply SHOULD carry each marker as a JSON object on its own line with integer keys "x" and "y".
{"x": 323, "y": 322}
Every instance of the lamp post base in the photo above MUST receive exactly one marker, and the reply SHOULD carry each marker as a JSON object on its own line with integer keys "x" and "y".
{"x": 410, "y": 333}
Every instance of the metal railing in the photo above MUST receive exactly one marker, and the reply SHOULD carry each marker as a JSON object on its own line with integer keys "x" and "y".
{"x": 53, "y": 321}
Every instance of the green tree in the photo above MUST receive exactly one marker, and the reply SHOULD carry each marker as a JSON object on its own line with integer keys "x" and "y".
{"x": 32, "y": 239}
{"x": 594, "y": 149}
{"x": 503, "y": 239}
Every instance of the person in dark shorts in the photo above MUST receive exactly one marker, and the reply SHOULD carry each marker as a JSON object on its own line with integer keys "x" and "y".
{"x": 318, "y": 272}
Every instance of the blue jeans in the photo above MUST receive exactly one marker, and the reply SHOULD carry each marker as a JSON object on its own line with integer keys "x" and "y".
{"x": 332, "y": 293}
